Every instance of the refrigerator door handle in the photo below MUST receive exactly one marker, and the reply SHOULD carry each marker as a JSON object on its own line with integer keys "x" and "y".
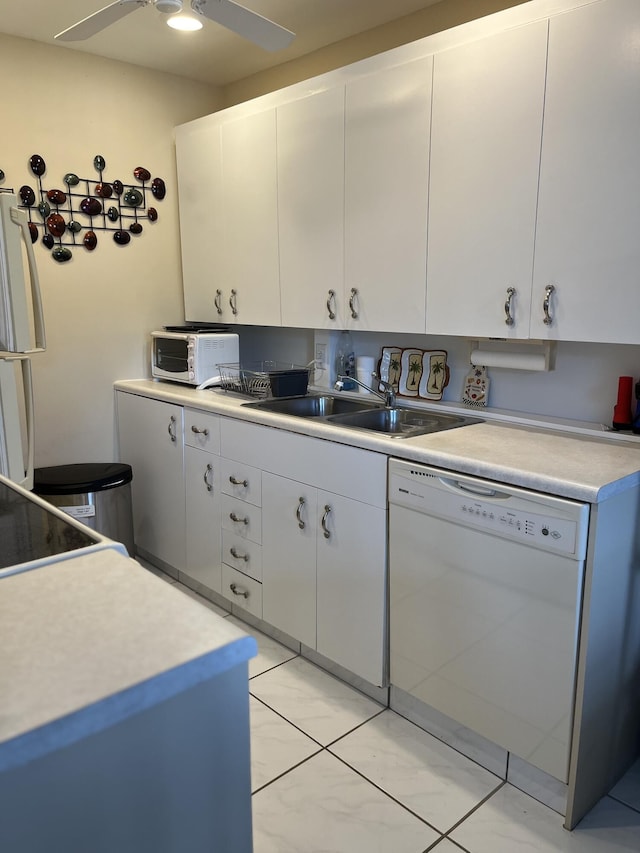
{"x": 20, "y": 218}
{"x": 27, "y": 385}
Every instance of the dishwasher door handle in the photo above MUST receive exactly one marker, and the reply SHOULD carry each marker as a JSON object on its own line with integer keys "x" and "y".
{"x": 479, "y": 491}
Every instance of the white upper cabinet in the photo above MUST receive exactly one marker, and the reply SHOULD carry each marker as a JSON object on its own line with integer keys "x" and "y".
{"x": 386, "y": 197}
{"x": 199, "y": 167}
{"x": 250, "y": 205}
{"x": 488, "y": 100}
{"x": 311, "y": 209}
{"x": 588, "y": 233}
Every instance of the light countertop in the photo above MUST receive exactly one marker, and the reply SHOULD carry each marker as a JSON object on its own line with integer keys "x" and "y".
{"x": 87, "y": 642}
{"x": 588, "y": 468}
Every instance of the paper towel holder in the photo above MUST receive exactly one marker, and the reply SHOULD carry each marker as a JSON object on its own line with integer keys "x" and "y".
{"x": 531, "y": 355}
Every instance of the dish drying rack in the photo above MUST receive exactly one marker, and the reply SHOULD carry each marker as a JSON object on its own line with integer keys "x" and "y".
{"x": 265, "y": 379}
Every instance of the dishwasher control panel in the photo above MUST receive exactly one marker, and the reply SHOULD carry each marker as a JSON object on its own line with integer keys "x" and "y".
{"x": 543, "y": 521}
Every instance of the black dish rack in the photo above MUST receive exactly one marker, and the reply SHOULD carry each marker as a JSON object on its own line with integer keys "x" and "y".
{"x": 265, "y": 379}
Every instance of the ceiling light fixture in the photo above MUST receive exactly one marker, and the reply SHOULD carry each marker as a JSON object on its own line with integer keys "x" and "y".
{"x": 184, "y": 22}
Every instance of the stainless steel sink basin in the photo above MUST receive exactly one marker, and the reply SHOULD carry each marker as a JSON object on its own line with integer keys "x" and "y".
{"x": 313, "y": 406}
{"x": 401, "y": 423}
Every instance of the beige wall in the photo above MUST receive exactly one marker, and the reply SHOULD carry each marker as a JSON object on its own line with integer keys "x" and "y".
{"x": 99, "y": 306}
{"x": 433, "y": 19}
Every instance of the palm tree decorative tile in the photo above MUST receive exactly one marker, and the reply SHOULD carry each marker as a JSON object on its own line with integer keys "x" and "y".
{"x": 415, "y": 372}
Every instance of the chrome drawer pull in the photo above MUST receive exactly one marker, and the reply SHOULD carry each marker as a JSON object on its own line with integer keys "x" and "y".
{"x": 207, "y": 480}
{"x": 233, "y": 302}
{"x": 236, "y": 556}
{"x": 237, "y": 518}
{"x": 509, "y": 320}
{"x": 353, "y": 303}
{"x": 323, "y": 522}
{"x": 331, "y": 305}
{"x": 548, "y": 319}
{"x": 235, "y": 482}
{"x": 171, "y": 429}
{"x": 299, "y": 509}
{"x": 236, "y": 591}
{"x": 199, "y": 431}
{"x": 217, "y": 301}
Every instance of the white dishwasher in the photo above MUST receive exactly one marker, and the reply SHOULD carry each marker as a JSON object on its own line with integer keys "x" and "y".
{"x": 485, "y": 600}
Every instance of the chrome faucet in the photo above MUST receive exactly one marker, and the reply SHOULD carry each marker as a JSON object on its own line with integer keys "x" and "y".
{"x": 388, "y": 394}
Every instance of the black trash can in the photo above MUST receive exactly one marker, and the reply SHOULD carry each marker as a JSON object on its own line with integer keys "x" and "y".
{"x": 97, "y": 494}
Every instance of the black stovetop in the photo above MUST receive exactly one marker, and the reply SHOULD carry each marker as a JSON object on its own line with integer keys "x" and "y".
{"x": 30, "y": 532}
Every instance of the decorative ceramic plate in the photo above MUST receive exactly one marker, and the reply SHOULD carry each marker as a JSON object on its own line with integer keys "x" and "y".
{"x": 414, "y": 372}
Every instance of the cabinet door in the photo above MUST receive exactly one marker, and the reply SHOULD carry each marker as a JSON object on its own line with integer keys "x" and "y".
{"x": 485, "y": 153}
{"x": 203, "y": 534}
{"x": 352, "y": 586}
{"x": 387, "y": 129}
{"x": 199, "y": 167}
{"x": 311, "y": 208}
{"x": 289, "y": 512}
{"x": 250, "y": 203}
{"x": 150, "y": 437}
{"x": 587, "y": 243}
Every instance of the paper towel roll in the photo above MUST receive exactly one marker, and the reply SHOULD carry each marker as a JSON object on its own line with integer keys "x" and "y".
{"x": 513, "y": 360}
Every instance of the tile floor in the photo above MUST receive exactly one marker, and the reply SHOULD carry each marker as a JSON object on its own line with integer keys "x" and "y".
{"x": 334, "y": 771}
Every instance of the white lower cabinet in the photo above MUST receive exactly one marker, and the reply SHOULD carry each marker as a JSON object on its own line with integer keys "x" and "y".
{"x": 289, "y": 557}
{"x": 241, "y": 485}
{"x": 352, "y": 586}
{"x": 202, "y": 498}
{"x": 324, "y": 573}
{"x": 150, "y": 439}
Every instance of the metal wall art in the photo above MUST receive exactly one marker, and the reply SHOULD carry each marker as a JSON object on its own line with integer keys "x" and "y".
{"x": 73, "y": 216}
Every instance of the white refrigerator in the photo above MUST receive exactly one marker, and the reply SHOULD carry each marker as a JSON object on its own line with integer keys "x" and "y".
{"x": 21, "y": 333}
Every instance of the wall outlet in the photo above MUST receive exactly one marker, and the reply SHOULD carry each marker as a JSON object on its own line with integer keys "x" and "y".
{"x": 321, "y": 355}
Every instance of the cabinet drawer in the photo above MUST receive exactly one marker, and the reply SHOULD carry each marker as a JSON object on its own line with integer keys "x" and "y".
{"x": 242, "y": 554}
{"x": 241, "y": 590}
{"x": 241, "y": 481}
{"x": 249, "y": 519}
{"x": 202, "y": 430}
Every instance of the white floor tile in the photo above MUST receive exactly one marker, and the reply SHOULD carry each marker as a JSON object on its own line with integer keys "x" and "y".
{"x": 276, "y": 745}
{"x": 156, "y": 571}
{"x": 270, "y": 652}
{"x": 511, "y": 821}
{"x": 201, "y": 600}
{"x": 437, "y": 783}
{"x": 319, "y": 704}
{"x": 628, "y": 788}
{"x": 325, "y": 806}
{"x": 446, "y": 846}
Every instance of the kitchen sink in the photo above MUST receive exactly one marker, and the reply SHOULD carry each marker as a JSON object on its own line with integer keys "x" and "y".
{"x": 395, "y": 422}
{"x": 401, "y": 423}
{"x": 314, "y": 406}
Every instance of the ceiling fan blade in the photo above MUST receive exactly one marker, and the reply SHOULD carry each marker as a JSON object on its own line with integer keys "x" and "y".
{"x": 250, "y": 25}
{"x": 100, "y": 20}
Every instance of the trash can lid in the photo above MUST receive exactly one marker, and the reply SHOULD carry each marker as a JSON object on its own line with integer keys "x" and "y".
{"x": 80, "y": 477}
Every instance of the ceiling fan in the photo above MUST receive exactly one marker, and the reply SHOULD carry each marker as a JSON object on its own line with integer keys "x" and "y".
{"x": 250, "y": 25}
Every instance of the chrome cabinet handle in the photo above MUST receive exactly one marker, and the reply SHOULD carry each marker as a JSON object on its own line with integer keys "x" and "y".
{"x": 511, "y": 292}
{"x": 199, "y": 431}
{"x": 233, "y": 302}
{"x": 237, "y": 518}
{"x": 331, "y": 304}
{"x": 238, "y": 556}
{"x": 244, "y": 593}
{"x": 236, "y": 482}
{"x": 353, "y": 303}
{"x": 171, "y": 429}
{"x": 299, "y": 508}
{"x": 548, "y": 318}
{"x": 208, "y": 477}
{"x": 217, "y": 301}
{"x": 323, "y": 522}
